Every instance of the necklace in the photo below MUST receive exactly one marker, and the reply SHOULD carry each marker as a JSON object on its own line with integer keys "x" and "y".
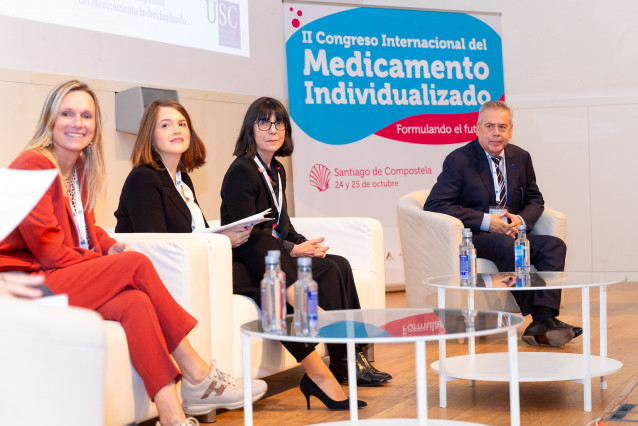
{"x": 70, "y": 189}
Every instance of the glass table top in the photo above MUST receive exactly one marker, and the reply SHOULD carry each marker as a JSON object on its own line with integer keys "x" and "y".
{"x": 388, "y": 325}
{"x": 507, "y": 280}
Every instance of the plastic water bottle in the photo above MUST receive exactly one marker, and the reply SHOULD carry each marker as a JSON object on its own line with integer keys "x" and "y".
{"x": 273, "y": 298}
{"x": 306, "y": 299}
{"x": 467, "y": 259}
{"x": 521, "y": 258}
{"x": 280, "y": 273}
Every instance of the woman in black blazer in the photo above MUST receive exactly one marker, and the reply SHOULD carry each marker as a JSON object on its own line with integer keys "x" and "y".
{"x": 256, "y": 181}
{"x": 158, "y": 196}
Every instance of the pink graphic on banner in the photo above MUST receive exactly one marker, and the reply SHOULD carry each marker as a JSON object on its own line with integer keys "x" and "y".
{"x": 416, "y": 325}
{"x": 295, "y": 22}
{"x": 433, "y": 129}
{"x": 320, "y": 177}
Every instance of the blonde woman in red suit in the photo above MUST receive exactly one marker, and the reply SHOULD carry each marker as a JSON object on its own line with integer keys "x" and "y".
{"x": 59, "y": 239}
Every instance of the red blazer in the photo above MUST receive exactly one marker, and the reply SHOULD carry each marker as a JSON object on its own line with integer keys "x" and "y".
{"x": 47, "y": 238}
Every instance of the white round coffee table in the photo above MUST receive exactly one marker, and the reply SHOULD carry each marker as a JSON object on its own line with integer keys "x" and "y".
{"x": 416, "y": 325}
{"x": 533, "y": 366}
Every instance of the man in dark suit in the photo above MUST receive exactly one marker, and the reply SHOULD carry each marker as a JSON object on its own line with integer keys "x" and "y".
{"x": 487, "y": 176}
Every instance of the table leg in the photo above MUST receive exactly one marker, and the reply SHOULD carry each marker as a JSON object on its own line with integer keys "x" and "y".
{"x": 471, "y": 341}
{"x": 421, "y": 383}
{"x": 248, "y": 402}
{"x": 352, "y": 383}
{"x": 586, "y": 350}
{"x": 442, "y": 355}
{"x": 512, "y": 350}
{"x": 603, "y": 330}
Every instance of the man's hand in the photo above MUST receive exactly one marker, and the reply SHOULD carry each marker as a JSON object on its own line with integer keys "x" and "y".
{"x": 310, "y": 248}
{"x": 498, "y": 225}
{"x": 514, "y": 221}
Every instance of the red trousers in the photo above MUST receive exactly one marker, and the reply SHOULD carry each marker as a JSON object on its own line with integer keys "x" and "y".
{"x": 125, "y": 287}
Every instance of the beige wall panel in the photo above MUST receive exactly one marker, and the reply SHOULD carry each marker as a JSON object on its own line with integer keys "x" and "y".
{"x": 558, "y": 142}
{"x": 614, "y": 187}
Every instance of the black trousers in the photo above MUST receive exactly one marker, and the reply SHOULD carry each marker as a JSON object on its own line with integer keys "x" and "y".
{"x": 333, "y": 274}
{"x": 547, "y": 253}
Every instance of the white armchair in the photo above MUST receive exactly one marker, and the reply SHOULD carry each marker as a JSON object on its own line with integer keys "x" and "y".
{"x": 52, "y": 364}
{"x": 360, "y": 240}
{"x": 430, "y": 242}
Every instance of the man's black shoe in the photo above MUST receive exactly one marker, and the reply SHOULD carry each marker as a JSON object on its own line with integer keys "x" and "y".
{"x": 530, "y": 335}
{"x": 550, "y": 331}
{"x": 577, "y": 330}
{"x": 557, "y": 332}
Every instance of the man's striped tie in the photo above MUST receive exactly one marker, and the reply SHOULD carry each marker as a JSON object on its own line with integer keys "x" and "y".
{"x": 501, "y": 181}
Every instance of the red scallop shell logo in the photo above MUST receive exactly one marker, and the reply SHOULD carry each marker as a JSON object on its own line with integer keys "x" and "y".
{"x": 320, "y": 177}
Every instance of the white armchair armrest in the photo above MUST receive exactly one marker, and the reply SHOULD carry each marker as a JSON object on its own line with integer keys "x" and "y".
{"x": 182, "y": 263}
{"x": 56, "y": 355}
{"x": 221, "y": 299}
{"x": 551, "y": 222}
{"x": 358, "y": 239}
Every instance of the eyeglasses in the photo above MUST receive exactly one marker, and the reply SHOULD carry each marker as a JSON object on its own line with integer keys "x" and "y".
{"x": 265, "y": 125}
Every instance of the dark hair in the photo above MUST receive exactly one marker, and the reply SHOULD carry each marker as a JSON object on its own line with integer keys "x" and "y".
{"x": 144, "y": 151}
{"x": 262, "y": 109}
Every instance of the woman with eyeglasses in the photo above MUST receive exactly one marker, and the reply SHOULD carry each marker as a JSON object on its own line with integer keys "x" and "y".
{"x": 255, "y": 181}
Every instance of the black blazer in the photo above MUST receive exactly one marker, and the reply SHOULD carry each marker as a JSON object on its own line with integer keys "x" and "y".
{"x": 149, "y": 202}
{"x": 465, "y": 187}
{"x": 244, "y": 193}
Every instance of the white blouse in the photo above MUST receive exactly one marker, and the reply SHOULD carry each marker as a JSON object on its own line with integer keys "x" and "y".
{"x": 197, "y": 222}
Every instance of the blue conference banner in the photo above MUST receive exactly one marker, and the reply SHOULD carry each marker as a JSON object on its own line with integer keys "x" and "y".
{"x": 378, "y": 97}
{"x": 386, "y": 67}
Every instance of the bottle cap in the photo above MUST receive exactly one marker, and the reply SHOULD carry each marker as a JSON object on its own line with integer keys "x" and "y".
{"x": 467, "y": 232}
{"x": 520, "y": 227}
{"x": 304, "y": 261}
{"x": 271, "y": 260}
{"x": 275, "y": 253}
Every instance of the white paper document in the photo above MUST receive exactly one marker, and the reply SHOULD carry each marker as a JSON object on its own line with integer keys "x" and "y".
{"x": 247, "y": 221}
{"x": 20, "y": 191}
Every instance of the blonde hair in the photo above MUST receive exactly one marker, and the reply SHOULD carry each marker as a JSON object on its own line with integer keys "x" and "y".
{"x": 94, "y": 172}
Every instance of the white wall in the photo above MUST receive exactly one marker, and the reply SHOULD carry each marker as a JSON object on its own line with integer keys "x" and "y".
{"x": 569, "y": 73}
{"x": 47, "y": 48}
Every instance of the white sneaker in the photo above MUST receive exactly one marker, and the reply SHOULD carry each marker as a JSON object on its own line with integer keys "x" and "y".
{"x": 218, "y": 390}
{"x": 191, "y": 421}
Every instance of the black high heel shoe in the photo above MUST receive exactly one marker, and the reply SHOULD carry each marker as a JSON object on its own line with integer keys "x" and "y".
{"x": 310, "y": 388}
{"x": 367, "y": 375}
